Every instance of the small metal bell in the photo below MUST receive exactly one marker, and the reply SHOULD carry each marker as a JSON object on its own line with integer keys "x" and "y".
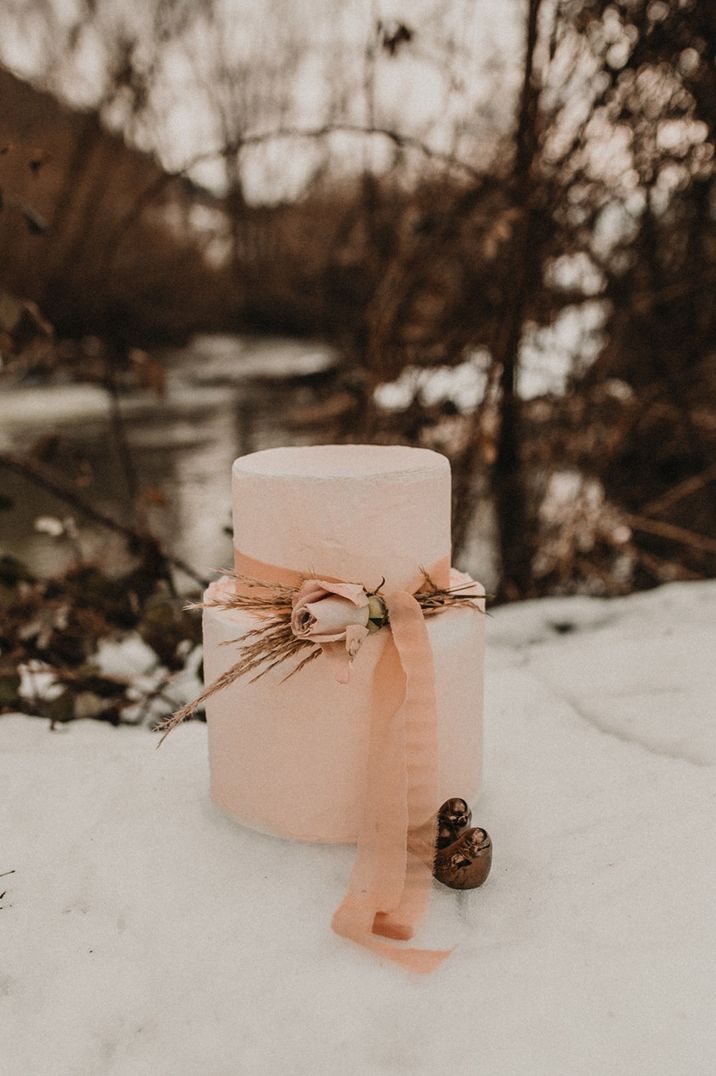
{"x": 464, "y": 853}
{"x": 453, "y": 817}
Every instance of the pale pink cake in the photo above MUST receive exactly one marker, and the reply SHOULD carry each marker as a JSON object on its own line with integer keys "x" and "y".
{"x": 290, "y": 758}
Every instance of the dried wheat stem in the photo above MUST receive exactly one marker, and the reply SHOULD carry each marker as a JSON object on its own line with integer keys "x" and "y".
{"x": 271, "y": 643}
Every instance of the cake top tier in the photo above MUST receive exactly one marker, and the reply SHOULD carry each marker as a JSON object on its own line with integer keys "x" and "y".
{"x": 341, "y": 461}
{"x": 354, "y": 512}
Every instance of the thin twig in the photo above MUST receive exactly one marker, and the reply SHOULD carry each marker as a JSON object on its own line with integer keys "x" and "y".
{"x": 119, "y": 434}
{"x": 44, "y": 478}
{"x": 676, "y": 493}
{"x": 402, "y": 141}
{"x": 672, "y": 533}
{"x": 264, "y": 648}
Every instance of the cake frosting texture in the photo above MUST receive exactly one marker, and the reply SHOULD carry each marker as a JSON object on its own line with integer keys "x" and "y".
{"x": 353, "y": 512}
{"x": 289, "y": 756}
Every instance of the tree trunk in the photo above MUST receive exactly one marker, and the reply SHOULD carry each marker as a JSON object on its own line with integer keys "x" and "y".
{"x": 515, "y": 528}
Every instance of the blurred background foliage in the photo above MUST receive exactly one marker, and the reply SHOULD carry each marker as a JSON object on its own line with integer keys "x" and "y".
{"x": 483, "y": 228}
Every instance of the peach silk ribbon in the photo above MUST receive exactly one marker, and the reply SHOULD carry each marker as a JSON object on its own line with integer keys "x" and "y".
{"x": 390, "y": 883}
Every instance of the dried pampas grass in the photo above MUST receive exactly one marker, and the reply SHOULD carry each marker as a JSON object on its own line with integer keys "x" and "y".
{"x": 273, "y": 642}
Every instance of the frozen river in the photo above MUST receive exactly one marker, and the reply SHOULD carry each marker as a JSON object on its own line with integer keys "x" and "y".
{"x": 225, "y": 396}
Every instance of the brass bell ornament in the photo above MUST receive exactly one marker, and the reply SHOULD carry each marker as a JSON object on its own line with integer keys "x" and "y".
{"x": 463, "y": 856}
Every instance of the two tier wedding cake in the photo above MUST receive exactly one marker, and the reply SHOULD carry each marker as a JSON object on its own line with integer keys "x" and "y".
{"x": 289, "y": 757}
{"x": 347, "y": 548}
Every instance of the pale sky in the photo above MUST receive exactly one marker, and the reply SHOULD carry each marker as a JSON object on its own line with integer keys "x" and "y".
{"x": 291, "y": 63}
{"x": 298, "y": 63}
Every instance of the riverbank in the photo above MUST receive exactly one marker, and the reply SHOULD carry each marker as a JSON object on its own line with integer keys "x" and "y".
{"x": 219, "y": 401}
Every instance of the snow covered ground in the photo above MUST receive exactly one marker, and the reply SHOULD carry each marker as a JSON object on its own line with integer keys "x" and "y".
{"x": 144, "y": 933}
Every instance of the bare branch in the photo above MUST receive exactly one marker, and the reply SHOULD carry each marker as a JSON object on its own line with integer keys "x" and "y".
{"x": 42, "y": 477}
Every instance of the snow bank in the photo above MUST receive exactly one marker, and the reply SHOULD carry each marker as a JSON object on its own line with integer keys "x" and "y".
{"x": 144, "y": 933}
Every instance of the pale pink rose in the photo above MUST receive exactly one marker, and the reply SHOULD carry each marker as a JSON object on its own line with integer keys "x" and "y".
{"x": 334, "y": 615}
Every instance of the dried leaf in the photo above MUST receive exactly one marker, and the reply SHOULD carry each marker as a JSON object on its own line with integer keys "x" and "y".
{"x": 11, "y": 310}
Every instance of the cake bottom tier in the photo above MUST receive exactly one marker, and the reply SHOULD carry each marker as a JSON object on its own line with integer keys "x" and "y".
{"x": 290, "y": 758}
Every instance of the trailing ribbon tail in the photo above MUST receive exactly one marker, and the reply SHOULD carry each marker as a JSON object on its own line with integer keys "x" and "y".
{"x": 391, "y": 880}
